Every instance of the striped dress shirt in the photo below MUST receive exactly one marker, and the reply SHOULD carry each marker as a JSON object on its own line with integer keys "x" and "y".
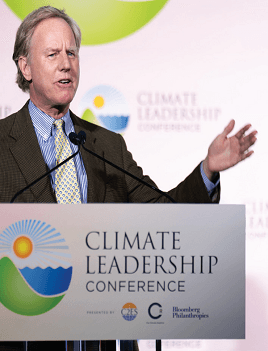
{"x": 45, "y": 131}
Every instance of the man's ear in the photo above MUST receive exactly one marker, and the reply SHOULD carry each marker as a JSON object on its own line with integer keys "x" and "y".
{"x": 25, "y": 68}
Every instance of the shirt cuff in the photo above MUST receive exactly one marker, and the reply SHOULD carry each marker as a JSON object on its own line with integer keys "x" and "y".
{"x": 208, "y": 183}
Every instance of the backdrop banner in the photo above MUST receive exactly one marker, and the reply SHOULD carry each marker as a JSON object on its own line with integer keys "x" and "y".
{"x": 122, "y": 271}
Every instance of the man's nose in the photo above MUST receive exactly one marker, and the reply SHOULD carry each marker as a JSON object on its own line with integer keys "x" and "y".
{"x": 64, "y": 62}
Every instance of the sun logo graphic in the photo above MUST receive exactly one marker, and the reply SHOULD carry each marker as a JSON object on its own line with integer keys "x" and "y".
{"x": 35, "y": 271}
{"x": 129, "y": 311}
{"x": 105, "y": 106}
{"x": 101, "y": 21}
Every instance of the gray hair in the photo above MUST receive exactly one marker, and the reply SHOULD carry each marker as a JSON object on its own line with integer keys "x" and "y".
{"x": 25, "y": 33}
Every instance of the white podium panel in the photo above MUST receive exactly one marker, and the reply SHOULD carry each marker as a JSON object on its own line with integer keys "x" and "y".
{"x": 122, "y": 271}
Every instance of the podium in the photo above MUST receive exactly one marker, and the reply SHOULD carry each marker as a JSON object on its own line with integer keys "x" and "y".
{"x": 122, "y": 271}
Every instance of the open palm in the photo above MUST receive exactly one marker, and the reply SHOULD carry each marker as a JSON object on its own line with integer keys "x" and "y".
{"x": 225, "y": 152}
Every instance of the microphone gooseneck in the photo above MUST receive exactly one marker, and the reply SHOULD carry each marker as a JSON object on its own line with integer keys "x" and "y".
{"x": 80, "y": 139}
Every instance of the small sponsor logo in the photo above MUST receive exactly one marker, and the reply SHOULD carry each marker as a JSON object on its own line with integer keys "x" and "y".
{"x": 155, "y": 310}
{"x": 129, "y": 311}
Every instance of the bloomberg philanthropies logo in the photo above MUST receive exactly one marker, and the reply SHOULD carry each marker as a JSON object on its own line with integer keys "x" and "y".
{"x": 34, "y": 269}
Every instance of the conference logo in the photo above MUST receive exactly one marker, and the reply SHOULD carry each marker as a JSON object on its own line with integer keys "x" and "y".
{"x": 129, "y": 311}
{"x": 35, "y": 272}
{"x": 257, "y": 218}
{"x": 101, "y": 21}
{"x": 168, "y": 112}
{"x": 5, "y": 110}
{"x": 105, "y": 106}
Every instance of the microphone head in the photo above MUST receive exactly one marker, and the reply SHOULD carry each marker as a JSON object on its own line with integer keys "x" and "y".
{"x": 78, "y": 139}
{"x": 74, "y": 138}
{"x": 82, "y": 136}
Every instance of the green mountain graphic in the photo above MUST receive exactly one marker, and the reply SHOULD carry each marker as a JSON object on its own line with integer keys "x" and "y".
{"x": 101, "y": 21}
{"x": 16, "y": 295}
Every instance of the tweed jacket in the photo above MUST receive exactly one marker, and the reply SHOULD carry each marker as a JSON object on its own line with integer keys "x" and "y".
{"x": 21, "y": 162}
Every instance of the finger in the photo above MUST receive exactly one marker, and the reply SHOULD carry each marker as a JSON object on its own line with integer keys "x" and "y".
{"x": 242, "y": 131}
{"x": 229, "y": 128}
{"x": 246, "y": 155}
{"x": 248, "y": 141}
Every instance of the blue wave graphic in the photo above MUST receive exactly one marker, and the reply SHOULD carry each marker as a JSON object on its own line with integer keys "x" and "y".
{"x": 48, "y": 281}
{"x": 114, "y": 123}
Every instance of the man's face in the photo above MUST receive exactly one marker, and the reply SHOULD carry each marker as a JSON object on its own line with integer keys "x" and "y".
{"x": 53, "y": 66}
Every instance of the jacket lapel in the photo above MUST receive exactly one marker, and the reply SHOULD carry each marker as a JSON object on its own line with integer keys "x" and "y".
{"x": 27, "y": 153}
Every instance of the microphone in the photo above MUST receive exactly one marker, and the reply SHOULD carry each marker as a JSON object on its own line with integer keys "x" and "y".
{"x": 81, "y": 138}
{"x": 77, "y": 140}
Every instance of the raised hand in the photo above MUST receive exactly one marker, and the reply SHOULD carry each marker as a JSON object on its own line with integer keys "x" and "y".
{"x": 225, "y": 152}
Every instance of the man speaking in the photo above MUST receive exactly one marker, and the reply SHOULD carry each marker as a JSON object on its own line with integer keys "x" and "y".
{"x": 35, "y": 139}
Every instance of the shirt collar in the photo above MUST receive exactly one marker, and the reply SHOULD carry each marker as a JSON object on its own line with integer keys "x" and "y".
{"x": 43, "y": 123}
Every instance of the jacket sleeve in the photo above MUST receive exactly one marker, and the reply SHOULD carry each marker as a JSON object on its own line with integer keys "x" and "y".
{"x": 191, "y": 190}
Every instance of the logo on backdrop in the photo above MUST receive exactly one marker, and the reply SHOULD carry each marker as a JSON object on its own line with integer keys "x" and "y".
{"x": 178, "y": 112}
{"x": 129, "y": 311}
{"x": 105, "y": 106}
{"x": 4, "y": 111}
{"x": 257, "y": 218}
{"x": 101, "y": 21}
{"x": 34, "y": 267}
{"x": 155, "y": 310}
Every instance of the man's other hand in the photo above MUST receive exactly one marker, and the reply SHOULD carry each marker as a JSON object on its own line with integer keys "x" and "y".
{"x": 225, "y": 152}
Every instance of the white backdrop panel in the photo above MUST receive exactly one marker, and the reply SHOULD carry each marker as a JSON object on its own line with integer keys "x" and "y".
{"x": 212, "y": 56}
